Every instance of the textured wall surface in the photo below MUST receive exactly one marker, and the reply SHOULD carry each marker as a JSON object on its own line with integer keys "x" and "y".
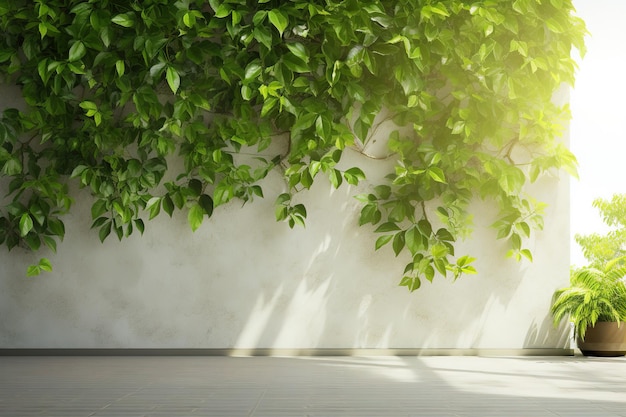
{"x": 244, "y": 281}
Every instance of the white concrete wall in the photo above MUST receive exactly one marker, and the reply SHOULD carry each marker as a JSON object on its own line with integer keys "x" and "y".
{"x": 244, "y": 281}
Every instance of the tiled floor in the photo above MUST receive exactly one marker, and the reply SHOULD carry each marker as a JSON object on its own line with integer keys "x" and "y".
{"x": 321, "y": 386}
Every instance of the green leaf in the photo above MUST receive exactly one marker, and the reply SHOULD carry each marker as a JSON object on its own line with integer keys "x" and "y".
{"x": 526, "y": 253}
{"x": 335, "y": 177}
{"x": 98, "y": 208}
{"x": 195, "y": 216}
{"x": 206, "y": 202}
{"x": 259, "y": 17}
{"x": 414, "y": 284}
{"x": 253, "y": 71}
{"x": 26, "y": 224}
{"x": 125, "y": 19}
{"x": 387, "y": 227}
{"x": 104, "y": 231}
{"x": 398, "y": 212}
{"x": 306, "y": 179}
{"x": 90, "y": 107}
{"x": 383, "y": 240}
{"x": 12, "y": 167}
{"x": 406, "y": 281}
{"x": 45, "y": 265}
{"x": 516, "y": 241}
{"x": 323, "y": 127}
{"x": 523, "y": 228}
{"x": 257, "y": 190}
{"x": 470, "y": 270}
{"x": 223, "y": 193}
{"x": 295, "y": 64}
{"x": 465, "y": 260}
{"x": 429, "y": 273}
{"x": 299, "y": 210}
{"x": 140, "y": 225}
{"x": 246, "y": 92}
{"x": 425, "y": 227}
{"x": 299, "y": 50}
{"x": 33, "y": 270}
{"x": 437, "y": 174}
{"x": 120, "y": 67}
{"x": 119, "y": 231}
{"x": 512, "y": 181}
{"x": 173, "y": 79}
{"x": 369, "y": 214}
{"x": 223, "y": 10}
{"x": 168, "y": 205}
{"x": 445, "y": 235}
{"x": 154, "y": 207}
{"x": 37, "y": 214}
{"x": 189, "y": 19}
{"x": 413, "y": 239}
{"x": 33, "y": 241}
{"x": 383, "y": 191}
{"x": 440, "y": 265}
{"x": 263, "y": 36}
{"x": 439, "y": 250}
{"x": 268, "y": 106}
{"x": 279, "y": 19}
{"x": 195, "y": 186}
{"x": 281, "y": 212}
{"x": 438, "y": 9}
{"x": 56, "y": 227}
{"x": 99, "y": 222}
{"x": 283, "y": 198}
{"x": 43, "y": 29}
{"x": 398, "y": 242}
{"x": 354, "y": 175}
{"x": 336, "y": 155}
{"x": 77, "y": 51}
{"x": 50, "y": 243}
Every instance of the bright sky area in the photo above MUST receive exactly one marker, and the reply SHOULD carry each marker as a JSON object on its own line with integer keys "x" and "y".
{"x": 597, "y": 134}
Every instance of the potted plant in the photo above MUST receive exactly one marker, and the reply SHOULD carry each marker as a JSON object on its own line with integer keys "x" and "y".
{"x": 596, "y": 303}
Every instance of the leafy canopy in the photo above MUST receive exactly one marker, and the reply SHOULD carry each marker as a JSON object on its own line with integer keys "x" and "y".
{"x": 601, "y": 248}
{"x": 115, "y": 90}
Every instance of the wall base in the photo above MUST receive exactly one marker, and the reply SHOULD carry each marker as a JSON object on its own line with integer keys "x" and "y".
{"x": 288, "y": 352}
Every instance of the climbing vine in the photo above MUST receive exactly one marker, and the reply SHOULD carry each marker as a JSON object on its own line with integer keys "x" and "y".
{"x": 112, "y": 91}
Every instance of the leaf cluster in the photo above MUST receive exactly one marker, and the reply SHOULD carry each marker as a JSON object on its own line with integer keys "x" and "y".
{"x": 115, "y": 91}
{"x": 600, "y": 248}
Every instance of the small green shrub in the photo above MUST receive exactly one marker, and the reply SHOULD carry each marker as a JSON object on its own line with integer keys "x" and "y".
{"x": 595, "y": 294}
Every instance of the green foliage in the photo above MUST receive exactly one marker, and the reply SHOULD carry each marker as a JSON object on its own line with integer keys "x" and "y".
{"x": 114, "y": 90}
{"x": 595, "y": 294}
{"x": 601, "y": 248}
{"x": 598, "y": 291}
{"x": 43, "y": 265}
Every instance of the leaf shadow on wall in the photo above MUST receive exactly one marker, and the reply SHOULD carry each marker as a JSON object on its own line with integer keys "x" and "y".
{"x": 340, "y": 293}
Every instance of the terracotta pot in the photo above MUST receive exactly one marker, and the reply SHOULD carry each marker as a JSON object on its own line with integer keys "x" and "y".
{"x": 604, "y": 339}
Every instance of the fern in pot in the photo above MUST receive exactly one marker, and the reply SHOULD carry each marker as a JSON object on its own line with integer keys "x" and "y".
{"x": 595, "y": 301}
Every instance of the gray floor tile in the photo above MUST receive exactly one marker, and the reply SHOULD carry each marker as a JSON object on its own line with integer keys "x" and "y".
{"x": 312, "y": 387}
